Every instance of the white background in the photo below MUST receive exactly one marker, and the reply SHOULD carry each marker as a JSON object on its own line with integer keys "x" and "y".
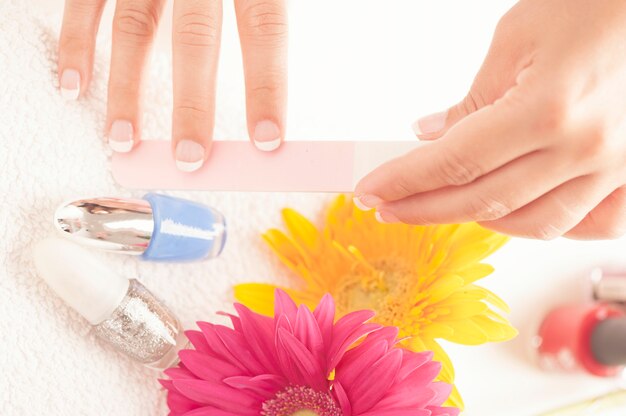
{"x": 364, "y": 69}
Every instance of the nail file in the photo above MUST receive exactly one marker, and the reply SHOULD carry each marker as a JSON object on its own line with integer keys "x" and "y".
{"x": 297, "y": 166}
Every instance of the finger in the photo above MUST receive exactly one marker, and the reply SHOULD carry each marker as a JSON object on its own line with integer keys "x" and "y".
{"x": 134, "y": 27}
{"x": 263, "y": 34}
{"x": 491, "y": 197}
{"x": 557, "y": 212}
{"x": 196, "y": 42}
{"x": 480, "y": 143}
{"x": 77, "y": 45}
{"x": 499, "y": 72}
{"x": 606, "y": 221}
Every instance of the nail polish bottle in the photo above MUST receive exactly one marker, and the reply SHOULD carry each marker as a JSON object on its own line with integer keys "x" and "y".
{"x": 157, "y": 227}
{"x": 590, "y": 337}
{"x": 122, "y": 311}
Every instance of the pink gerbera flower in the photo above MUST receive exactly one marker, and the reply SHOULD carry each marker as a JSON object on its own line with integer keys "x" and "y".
{"x": 303, "y": 363}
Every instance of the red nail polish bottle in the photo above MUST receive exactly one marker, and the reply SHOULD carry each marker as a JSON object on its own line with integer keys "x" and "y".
{"x": 590, "y": 337}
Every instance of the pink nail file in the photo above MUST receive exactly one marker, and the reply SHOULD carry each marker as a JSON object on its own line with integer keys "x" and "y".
{"x": 297, "y": 166}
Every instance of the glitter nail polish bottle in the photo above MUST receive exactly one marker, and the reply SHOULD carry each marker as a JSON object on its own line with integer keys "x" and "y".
{"x": 123, "y": 312}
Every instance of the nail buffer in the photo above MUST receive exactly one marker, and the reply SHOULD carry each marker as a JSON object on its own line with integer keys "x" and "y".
{"x": 297, "y": 166}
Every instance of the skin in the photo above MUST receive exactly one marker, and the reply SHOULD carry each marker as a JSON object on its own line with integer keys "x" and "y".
{"x": 538, "y": 146}
{"x": 195, "y": 41}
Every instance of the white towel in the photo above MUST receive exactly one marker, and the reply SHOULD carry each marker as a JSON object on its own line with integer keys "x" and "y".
{"x": 51, "y": 151}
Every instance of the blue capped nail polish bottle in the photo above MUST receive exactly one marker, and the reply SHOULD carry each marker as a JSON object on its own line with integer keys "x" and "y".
{"x": 156, "y": 228}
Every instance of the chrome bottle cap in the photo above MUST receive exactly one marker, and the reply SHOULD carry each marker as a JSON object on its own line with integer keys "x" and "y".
{"x": 110, "y": 224}
{"x": 608, "y": 286}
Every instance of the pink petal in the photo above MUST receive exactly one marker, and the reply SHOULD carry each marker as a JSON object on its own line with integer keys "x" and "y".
{"x": 342, "y": 398}
{"x": 179, "y": 372}
{"x": 179, "y": 403}
{"x": 365, "y": 393}
{"x": 207, "y": 367}
{"x": 358, "y": 361}
{"x": 444, "y": 411}
{"x": 217, "y": 345}
{"x": 239, "y": 350}
{"x": 259, "y": 333}
{"x": 284, "y": 305}
{"x": 208, "y": 411}
{"x": 325, "y": 316}
{"x": 305, "y": 367}
{"x": 308, "y": 332}
{"x": 388, "y": 333}
{"x": 218, "y": 395}
{"x": 411, "y": 361}
{"x": 233, "y": 319}
{"x": 266, "y": 385}
{"x": 198, "y": 341}
{"x": 345, "y": 335}
{"x": 397, "y": 412}
{"x": 442, "y": 392}
{"x": 407, "y": 397}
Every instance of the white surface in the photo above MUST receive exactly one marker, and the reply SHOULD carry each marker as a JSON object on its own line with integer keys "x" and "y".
{"x": 359, "y": 70}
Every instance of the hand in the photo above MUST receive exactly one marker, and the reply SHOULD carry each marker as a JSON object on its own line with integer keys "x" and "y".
{"x": 538, "y": 147}
{"x": 195, "y": 42}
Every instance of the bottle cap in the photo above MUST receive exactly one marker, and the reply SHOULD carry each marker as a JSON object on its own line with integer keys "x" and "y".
{"x": 80, "y": 279}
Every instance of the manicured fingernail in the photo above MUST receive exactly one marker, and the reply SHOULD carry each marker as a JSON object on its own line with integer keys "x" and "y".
{"x": 367, "y": 202}
{"x": 386, "y": 217}
{"x": 121, "y": 136}
{"x": 189, "y": 155}
{"x": 70, "y": 84}
{"x": 266, "y": 136}
{"x": 430, "y": 124}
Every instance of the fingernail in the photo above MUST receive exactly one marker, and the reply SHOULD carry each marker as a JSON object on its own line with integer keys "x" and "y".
{"x": 266, "y": 136}
{"x": 431, "y": 123}
{"x": 121, "y": 136}
{"x": 70, "y": 84}
{"x": 367, "y": 202}
{"x": 386, "y": 217}
{"x": 189, "y": 155}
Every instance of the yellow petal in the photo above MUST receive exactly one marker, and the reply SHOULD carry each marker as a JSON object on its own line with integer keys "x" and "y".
{"x": 475, "y": 272}
{"x": 464, "y": 310}
{"x": 257, "y": 296}
{"x": 443, "y": 287}
{"x": 301, "y": 229}
{"x": 466, "y": 332}
{"x": 285, "y": 248}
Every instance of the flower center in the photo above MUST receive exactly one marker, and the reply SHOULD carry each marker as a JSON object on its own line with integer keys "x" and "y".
{"x": 300, "y": 401}
{"x": 386, "y": 286}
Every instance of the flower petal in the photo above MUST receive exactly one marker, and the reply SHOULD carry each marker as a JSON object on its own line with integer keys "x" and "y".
{"x": 324, "y": 314}
{"x": 206, "y": 367}
{"x": 305, "y": 369}
{"x": 366, "y": 393}
{"x": 218, "y": 395}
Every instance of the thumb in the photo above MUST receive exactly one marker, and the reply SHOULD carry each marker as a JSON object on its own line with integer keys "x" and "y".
{"x": 496, "y": 76}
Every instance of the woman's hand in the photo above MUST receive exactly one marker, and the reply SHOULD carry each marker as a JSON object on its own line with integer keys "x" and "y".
{"x": 195, "y": 41}
{"x": 538, "y": 147}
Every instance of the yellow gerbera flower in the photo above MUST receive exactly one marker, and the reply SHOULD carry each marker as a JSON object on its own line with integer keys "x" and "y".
{"x": 418, "y": 278}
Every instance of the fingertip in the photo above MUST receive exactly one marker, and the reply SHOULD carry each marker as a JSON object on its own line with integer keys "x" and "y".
{"x": 70, "y": 84}
{"x": 121, "y": 136}
{"x": 431, "y": 126}
{"x": 267, "y": 136}
{"x": 189, "y": 155}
